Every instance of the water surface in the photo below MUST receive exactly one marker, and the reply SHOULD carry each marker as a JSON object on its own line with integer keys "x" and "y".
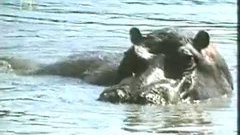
{"x": 34, "y": 33}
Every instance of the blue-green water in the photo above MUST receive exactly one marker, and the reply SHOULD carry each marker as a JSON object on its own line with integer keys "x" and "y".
{"x": 46, "y": 31}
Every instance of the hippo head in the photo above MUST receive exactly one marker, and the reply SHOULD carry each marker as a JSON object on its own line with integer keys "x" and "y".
{"x": 181, "y": 66}
{"x": 182, "y": 51}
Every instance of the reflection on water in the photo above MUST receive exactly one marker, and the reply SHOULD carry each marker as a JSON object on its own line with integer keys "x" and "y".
{"x": 181, "y": 119}
{"x": 35, "y": 33}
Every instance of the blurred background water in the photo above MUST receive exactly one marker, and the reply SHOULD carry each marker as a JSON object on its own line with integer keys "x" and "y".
{"x": 36, "y": 32}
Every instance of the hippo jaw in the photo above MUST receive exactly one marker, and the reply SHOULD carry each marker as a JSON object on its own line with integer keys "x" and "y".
{"x": 162, "y": 91}
{"x": 169, "y": 92}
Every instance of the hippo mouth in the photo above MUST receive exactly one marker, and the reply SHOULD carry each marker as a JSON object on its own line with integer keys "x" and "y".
{"x": 153, "y": 87}
{"x": 163, "y": 91}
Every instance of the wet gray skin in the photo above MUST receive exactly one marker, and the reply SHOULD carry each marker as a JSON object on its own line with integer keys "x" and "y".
{"x": 175, "y": 68}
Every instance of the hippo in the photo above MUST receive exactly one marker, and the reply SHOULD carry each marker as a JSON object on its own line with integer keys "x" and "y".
{"x": 169, "y": 66}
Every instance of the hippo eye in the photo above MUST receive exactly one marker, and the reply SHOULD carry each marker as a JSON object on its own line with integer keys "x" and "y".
{"x": 188, "y": 57}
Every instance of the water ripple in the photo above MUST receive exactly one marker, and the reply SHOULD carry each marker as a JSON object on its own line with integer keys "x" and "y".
{"x": 65, "y": 31}
{"x": 20, "y": 99}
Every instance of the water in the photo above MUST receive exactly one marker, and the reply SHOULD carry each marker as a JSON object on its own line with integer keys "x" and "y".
{"x": 34, "y": 33}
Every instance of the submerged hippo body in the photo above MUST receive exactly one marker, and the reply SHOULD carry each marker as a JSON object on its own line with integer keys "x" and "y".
{"x": 168, "y": 66}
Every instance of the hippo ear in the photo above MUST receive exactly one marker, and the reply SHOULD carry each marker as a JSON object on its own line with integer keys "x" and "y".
{"x": 201, "y": 40}
{"x": 135, "y": 36}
